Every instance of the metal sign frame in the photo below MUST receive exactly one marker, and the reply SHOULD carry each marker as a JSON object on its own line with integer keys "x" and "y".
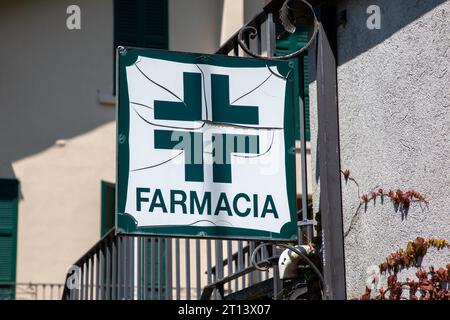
{"x": 126, "y": 223}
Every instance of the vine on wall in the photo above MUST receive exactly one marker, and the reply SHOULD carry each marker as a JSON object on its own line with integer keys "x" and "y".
{"x": 401, "y": 199}
{"x": 430, "y": 285}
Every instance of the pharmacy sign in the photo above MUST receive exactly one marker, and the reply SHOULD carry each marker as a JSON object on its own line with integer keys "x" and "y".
{"x": 205, "y": 146}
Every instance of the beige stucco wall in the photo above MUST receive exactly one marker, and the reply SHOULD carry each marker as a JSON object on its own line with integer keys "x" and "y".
{"x": 48, "y": 91}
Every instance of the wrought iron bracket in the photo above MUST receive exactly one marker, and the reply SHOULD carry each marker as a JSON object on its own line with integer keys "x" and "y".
{"x": 253, "y": 33}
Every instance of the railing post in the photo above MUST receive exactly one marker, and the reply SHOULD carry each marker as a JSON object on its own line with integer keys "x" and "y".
{"x": 168, "y": 269}
{"x": 198, "y": 266}
{"x": 270, "y": 34}
{"x": 329, "y": 157}
{"x": 188, "y": 268}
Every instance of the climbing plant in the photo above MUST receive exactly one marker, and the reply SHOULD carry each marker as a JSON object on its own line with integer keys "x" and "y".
{"x": 429, "y": 285}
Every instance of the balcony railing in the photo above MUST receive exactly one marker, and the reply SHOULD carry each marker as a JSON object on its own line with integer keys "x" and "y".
{"x": 141, "y": 268}
{"x": 30, "y": 291}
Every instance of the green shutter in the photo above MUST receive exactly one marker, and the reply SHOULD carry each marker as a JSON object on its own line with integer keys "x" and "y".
{"x": 9, "y": 191}
{"x": 289, "y": 43}
{"x": 108, "y": 200}
{"x": 141, "y": 23}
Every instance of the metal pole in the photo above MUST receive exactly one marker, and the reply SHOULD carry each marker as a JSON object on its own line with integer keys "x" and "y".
{"x": 198, "y": 268}
{"x": 139, "y": 268}
{"x": 329, "y": 162}
{"x": 177, "y": 268}
{"x": 114, "y": 269}
{"x": 270, "y": 31}
{"x": 152, "y": 268}
{"x": 145, "y": 266}
{"x": 229, "y": 262}
{"x": 168, "y": 269}
{"x": 241, "y": 261}
{"x": 304, "y": 168}
{"x": 208, "y": 261}
{"x": 188, "y": 269}
{"x": 108, "y": 271}
{"x": 160, "y": 265}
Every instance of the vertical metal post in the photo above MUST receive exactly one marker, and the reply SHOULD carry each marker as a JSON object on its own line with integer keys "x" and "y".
{"x": 108, "y": 270}
{"x": 251, "y": 247}
{"x": 329, "y": 157}
{"x": 276, "y": 281}
{"x": 86, "y": 280}
{"x": 198, "y": 268}
{"x": 121, "y": 268}
{"x": 114, "y": 269}
{"x": 304, "y": 167}
{"x": 135, "y": 269}
{"x": 241, "y": 260}
{"x": 229, "y": 262}
{"x": 139, "y": 268}
{"x": 235, "y": 48}
{"x": 97, "y": 275}
{"x": 145, "y": 267}
{"x": 187, "y": 253}
{"x": 102, "y": 272}
{"x": 93, "y": 270}
{"x": 177, "y": 269}
{"x": 131, "y": 269}
{"x": 277, "y": 285}
{"x": 152, "y": 268}
{"x": 208, "y": 261}
{"x": 168, "y": 268}
{"x": 124, "y": 268}
{"x": 258, "y": 39}
{"x": 160, "y": 265}
{"x": 81, "y": 282}
{"x": 219, "y": 260}
{"x": 270, "y": 31}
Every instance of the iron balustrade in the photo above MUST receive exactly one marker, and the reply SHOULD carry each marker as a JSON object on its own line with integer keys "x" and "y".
{"x": 30, "y": 291}
{"x": 140, "y": 268}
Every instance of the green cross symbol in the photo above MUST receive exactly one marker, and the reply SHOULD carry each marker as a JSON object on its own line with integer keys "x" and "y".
{"x": 190, "y": 109}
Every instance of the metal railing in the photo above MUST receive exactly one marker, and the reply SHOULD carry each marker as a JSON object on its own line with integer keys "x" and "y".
{"x": 30, "y": 291}
{"x": 147, "y": 268}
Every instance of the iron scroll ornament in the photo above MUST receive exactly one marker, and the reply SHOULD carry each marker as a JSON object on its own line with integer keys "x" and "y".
{"x": 253, "y": 32}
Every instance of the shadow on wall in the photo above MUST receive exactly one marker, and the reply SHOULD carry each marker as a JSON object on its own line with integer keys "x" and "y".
{"x": 394, "y": 15}
{"x": 50, "y": 75}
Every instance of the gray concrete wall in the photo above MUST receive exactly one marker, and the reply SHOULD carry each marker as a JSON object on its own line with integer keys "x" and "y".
{"x": 394, "y": 118}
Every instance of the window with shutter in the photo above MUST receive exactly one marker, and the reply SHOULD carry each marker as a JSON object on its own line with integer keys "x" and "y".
{"x": 289, "y": 43}
{"x": 9, "y": 191}
{"x": 108, "y": 201}
{"x": 141, "y": 23}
